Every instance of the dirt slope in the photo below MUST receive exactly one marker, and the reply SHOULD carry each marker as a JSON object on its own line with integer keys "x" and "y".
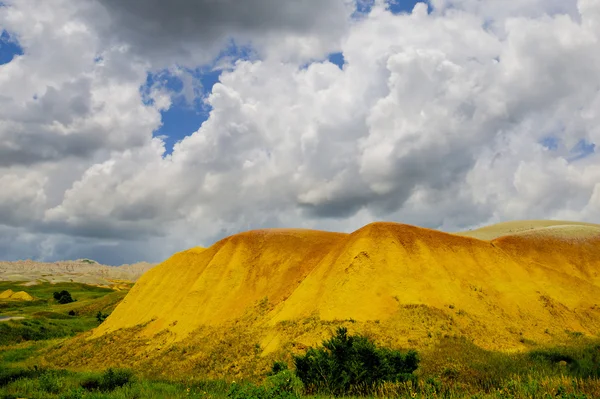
{"x": 524, "y": 283}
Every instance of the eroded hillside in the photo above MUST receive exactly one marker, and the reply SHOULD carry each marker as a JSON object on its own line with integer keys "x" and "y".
{"x": 405, "y": 285}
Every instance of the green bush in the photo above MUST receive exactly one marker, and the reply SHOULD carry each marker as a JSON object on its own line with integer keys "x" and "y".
{"x": 352, "y": 364}
{"x": 63, "y": 297}
{"x": 8, "y": 375}
{"x": 101, "y": 316}
{"x": 285, "y": 384}
{"x": 582, "y": 362}
{"x": 50, "y": 382}
{"x": 110, "y": 380}
{"x": 278, "y": 367}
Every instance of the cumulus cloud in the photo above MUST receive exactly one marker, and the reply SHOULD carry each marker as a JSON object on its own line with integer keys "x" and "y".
{"x": 437, "y": 119}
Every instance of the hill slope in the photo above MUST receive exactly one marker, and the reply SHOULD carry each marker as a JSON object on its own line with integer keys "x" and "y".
{"x": 559, "y": 228}
{"x": 501, "y": 289}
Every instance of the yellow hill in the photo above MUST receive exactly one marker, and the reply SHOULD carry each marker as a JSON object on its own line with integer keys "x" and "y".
{"x": 271, "y": 292}
{"x": 368, "y": 275}
{"x": 21, "y": 296}
{"x": 209, "y": 286}
{"x": 16, "y": 296}
{"x": 6, "y": 294}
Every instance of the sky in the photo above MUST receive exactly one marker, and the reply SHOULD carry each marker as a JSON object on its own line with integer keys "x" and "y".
{"x": 132, "y": 129}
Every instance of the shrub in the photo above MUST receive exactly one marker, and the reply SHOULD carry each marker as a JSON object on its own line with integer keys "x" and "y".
{"x": 110, "y": 380}
{"x": 50, "y": 382}
{"x": 101, "y": 316}
{"x": 63, "y": 297}
{"x": 277, "y": 368}
{"x": 8, "y": 375}
{"x": 91, "y": 383}
{"x": 582, "y": 362}
{"x": 352, "y": 364}
{"x": 284, "y": 384}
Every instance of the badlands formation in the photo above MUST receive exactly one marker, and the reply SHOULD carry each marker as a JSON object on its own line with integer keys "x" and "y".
{"x": 15, "y": 296}
{"x": 78, "y": 271}
{"x": 502, "y": 287}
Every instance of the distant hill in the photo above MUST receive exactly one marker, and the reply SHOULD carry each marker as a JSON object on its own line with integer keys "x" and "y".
{"x": 280, "y": 290}
{"x": 561, "y": 229}
{"x": 80, "y": 271}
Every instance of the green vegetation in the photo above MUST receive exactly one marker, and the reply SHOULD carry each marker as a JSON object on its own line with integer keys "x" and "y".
{"x": 39, "y": 328}
{"x": 352, "y": 364}
{"x": 100, "y": 317}
{"x": 50, "y": 318}
{"x": 63, "y": 297}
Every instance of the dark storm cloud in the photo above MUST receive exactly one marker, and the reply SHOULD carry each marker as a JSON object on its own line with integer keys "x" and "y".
{"x": 184, "y": 28}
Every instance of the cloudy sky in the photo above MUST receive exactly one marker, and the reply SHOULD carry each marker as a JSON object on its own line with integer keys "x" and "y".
{"x": 130, "y": 129}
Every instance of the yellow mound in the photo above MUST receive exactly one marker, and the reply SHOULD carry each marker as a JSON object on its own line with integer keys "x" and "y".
{"x": 6, "y": 294}
{"x": 514, "y": 283}
{"x": 21, "y": 296}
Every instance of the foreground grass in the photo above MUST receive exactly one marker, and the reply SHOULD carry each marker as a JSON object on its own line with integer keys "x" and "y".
{"x": 65, "y": 385}
{"x": 457, "y": 369}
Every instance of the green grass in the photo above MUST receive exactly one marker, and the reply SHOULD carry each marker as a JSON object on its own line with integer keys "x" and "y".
{"x": 45, "y": 291}
{"x": 49, "y": 384}
{"x": 45, "y": 318}
{"x": 39, "y": 328}
{"x": 457, "y": 369}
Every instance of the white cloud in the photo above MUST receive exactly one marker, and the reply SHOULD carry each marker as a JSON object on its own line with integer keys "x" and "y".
{"x": 435, "y": 119}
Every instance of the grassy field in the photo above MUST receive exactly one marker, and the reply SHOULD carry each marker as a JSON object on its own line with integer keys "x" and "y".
{"x": 44, "y": 318}
{"x": 454, "y": 368}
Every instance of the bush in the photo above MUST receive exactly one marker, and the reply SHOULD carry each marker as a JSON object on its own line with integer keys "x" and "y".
{"x": 8, "y": 375}
{"x": 50, "y": 382}
{"x": 284, "y": 384}
{"x": 583, "y": 362}
{"x": 109, "y": 380}
{"x": 101, "y": 316}
{"x": 352, "y": 364}
{"x": 63, "y": 297}
{"x": 277, "y": 368}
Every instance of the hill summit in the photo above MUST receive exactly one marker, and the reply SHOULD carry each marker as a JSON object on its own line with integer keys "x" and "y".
{"x": 529, "y": 280}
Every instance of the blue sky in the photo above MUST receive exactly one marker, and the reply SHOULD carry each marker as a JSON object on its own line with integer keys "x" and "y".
{"x": 581, "y": 150}
{"x": 9, "y": 48}
{"x": 183, "y": 119}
